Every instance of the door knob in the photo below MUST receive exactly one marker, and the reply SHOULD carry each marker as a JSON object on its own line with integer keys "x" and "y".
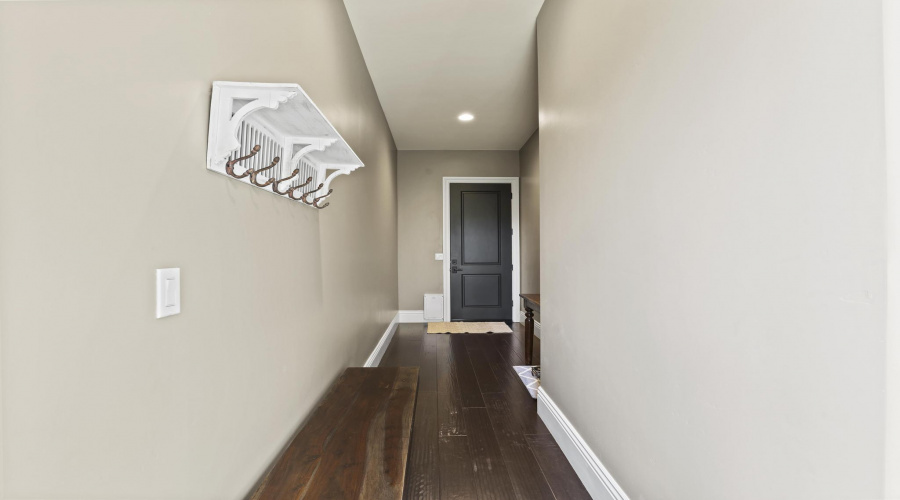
{"x": 454, "y": 269}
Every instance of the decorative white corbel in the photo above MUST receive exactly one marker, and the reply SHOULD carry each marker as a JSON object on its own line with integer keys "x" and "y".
{"x": 338, "y": 170}
{"x": 310, "y": 144}
{"x": 225, "y": 120}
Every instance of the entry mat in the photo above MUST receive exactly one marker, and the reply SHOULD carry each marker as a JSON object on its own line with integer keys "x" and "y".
{"x": 468, "y": 327}
{"x": 527, "y": 376}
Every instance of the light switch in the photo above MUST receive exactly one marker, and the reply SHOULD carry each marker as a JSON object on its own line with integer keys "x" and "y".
{"x": 171, "y": 293}
{"x": 168, "y": 292}
{"x": 438, "y": 256}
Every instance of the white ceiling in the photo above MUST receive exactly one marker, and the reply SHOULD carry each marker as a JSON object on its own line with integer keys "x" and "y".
{"x": 431, "y": 60}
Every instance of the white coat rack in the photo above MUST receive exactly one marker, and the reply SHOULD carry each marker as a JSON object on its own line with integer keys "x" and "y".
{"x": 272, "y": 136}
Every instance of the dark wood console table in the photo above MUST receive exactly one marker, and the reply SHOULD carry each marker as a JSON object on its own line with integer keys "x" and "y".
{"x": 532, "y": 304}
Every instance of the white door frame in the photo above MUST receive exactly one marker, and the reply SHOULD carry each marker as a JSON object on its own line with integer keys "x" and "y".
{"x": 517, "y": 269}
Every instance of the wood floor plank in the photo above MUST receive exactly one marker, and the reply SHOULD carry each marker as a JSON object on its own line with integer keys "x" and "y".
{"x": 410, "y": 331}
{"x": 410, "y": 353}
{"x": 518, "y": 339}
{"x": 422, "y": 478}
{"x": 457, "y": 469}
{"x": 492, "y": 481}
{"x": 504, "y": 345}
{"x": 523, "y": 412}
{"x": 503, "y": 370}
{"x": 470, "y": 393}
{"x": 523, "y": 408}
{"x": 506, "y": 375}
{"x": 518, "y": 336}
{"x": 450, "y": 414}
{"x": 428, "y": 370}
{"x": 391, "y": 354}
{"x": 518, "y": 332}
{"x": 451, "y": 421}
{"x": 443, "y": 364}
{"x": 527, "y": 477}
{"x": 487, "y": 381}
{"x": 431, "y": 341}
{"x": 560, "y": 475}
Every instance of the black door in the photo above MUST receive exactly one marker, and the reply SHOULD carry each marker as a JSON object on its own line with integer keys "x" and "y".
{"x": 480, "y": 252}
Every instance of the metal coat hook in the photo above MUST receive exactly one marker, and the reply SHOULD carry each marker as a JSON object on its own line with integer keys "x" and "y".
{"x": 229, "y": 167}
{"x": 275, "y": 184}
{"x": 315, "y": 202}
{"x": 303, "y": 198}
{"x": 291, "y": 190}
{"x": 254, "y": 173}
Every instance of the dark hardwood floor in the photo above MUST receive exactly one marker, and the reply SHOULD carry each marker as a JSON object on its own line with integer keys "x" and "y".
{"x": 476, "y": 433}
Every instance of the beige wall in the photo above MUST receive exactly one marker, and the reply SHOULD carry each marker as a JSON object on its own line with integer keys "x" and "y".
{"x": 713, "y": 263}
{"x": 419, "y": 208}
{"x": 529, "y": 215}
{"x": 104, "y": 110}
{"x": 891, "y": 30}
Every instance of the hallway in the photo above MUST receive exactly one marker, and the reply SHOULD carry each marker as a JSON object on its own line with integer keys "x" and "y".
{"x": 265, "y": 202}
{"x": 476, "y": 432}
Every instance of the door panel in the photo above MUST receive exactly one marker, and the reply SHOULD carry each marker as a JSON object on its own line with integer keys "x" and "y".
{"x": 480, "y": 252}
{"x": 482, "y": 290}
{"x": 480, "y": 221}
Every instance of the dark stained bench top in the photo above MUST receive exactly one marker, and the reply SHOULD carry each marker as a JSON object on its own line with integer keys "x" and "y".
{"x": 355, "y": 443}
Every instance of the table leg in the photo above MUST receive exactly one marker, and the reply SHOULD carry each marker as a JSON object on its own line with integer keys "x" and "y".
{"x": 529, "y": 334}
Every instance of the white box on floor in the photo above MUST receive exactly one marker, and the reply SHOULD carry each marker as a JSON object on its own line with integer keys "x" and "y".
{"x": 434, "y": 307}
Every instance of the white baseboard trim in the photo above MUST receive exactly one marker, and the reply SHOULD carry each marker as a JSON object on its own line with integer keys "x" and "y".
{"x": 597, "y": 480}
{"x": 412, "y": 316}
{"x": 537, "y": 328}
{"x": 383, "y": 344}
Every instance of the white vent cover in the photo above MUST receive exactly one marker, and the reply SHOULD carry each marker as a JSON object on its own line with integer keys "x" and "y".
{"x": 434, "y": 307}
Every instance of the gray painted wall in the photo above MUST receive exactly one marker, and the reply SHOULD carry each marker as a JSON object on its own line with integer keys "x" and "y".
{"x": 529, "y": 215}
{"x": 713, "y": 263}
{"x": 103, "y": 124}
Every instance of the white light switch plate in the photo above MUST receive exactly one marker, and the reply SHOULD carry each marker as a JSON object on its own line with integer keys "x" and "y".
{"x": 438, "y": 256}
{"x": 168, "y": 292}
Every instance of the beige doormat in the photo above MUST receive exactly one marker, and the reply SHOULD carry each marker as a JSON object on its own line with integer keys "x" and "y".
{"x": 468, "y": 327}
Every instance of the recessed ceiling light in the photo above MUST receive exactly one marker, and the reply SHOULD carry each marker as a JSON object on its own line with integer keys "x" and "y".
{"x": 466, "y": 117}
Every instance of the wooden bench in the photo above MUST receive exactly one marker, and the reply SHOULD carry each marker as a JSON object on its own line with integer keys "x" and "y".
{"x": 354, "y": 445}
